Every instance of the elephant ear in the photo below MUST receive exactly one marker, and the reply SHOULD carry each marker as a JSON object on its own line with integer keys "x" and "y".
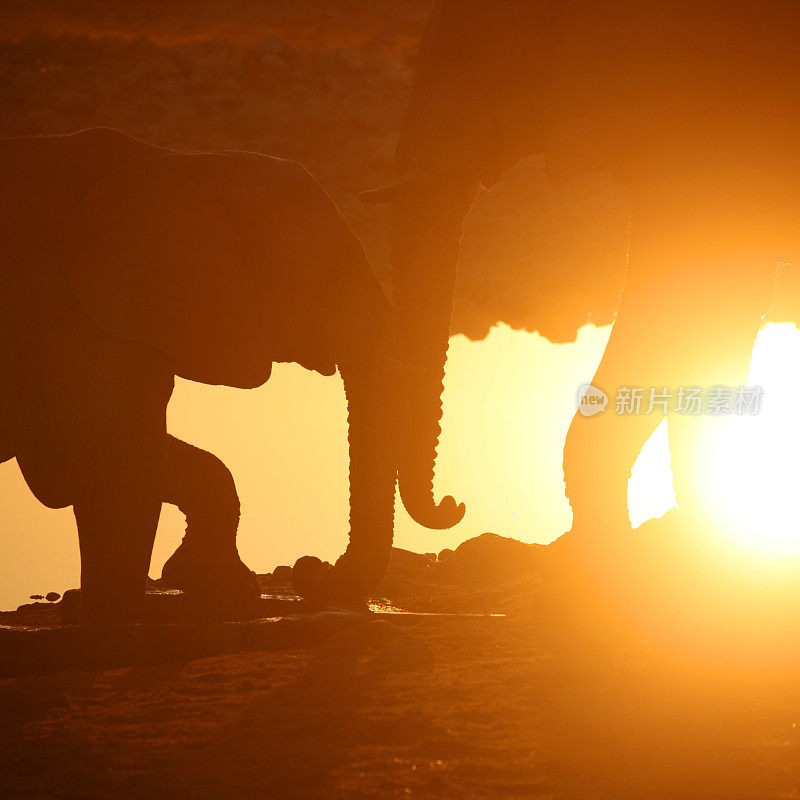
{"x": 332, "y": 275}
{"x": 210, "y": 259}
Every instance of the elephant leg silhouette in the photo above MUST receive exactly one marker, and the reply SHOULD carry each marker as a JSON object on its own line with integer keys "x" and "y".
{"x": 117, "y": 515}
{"x": 202, "y": 487}
{"x": 95, "y": 438}
{"x": 691, "y": 309}
{"x": 731, "y": 334}
{"x": 117, "y": 413}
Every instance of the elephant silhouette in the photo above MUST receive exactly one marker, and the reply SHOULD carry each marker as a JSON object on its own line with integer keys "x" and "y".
{"x": 695, "y": 107}
{"x": 126, "y": 264}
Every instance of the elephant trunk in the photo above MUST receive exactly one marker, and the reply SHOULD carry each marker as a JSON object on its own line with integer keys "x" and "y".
{"x": 373, "y": 476}
{"x": 428, "y": 211}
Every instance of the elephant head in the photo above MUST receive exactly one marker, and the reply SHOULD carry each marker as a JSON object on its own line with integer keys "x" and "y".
{"x": 228, "y": 262}
{"x": 452, "y": 139}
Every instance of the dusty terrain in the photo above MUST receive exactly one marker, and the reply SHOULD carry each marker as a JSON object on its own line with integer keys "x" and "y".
{"x": 429, "y": 708}
{"x": 583, "y": 689}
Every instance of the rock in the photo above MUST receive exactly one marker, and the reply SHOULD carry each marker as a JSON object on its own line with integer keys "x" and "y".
{"x": 264, "y": 581}
{"x": 37, "y": 597}
{"x": 305, "y": 574}
{"x": 408, "y": 573}
{"x": 282, "y": 575}
{"x": 51, "y": 597}
{"x": 490, "y": 557}
{"x": 445, "y": 555}
{"x": 407, "y": 559}
{"x": 70, "y": 606}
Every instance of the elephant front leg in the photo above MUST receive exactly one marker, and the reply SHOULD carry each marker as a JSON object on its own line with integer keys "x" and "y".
{"x": 695, "y": 293}
{"x": 117, "y": 518}
{"x": 101, "y": 447}
{"x": 207, "y": 561}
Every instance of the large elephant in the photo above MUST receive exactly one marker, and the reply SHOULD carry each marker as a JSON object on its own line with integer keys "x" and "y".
{"x": 126, "y": 264}
{"x": 695, "y": 106}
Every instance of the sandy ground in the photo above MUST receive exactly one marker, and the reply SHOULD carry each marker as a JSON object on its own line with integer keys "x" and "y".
{"x": 431, "y": 708}
{"x": 579, "y": 691}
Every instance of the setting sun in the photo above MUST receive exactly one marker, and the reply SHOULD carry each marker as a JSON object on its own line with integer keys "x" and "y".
{"x": 752, "y": 473}
{"x": 746, "y": 467}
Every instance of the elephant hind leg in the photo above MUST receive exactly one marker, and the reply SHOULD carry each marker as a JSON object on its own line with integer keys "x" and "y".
{"x": 207, "y": 561}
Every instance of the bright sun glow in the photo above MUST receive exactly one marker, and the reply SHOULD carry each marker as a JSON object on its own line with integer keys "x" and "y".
{"x": 747, "y": 466}
{"x": 753, "y": 474}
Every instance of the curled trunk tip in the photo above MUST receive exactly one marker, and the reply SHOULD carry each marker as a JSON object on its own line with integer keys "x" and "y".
{"x": 425, "y": 511}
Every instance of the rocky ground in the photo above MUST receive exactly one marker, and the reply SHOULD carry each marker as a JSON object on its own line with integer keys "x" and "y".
{"x": 612, "y": 686}
{"x": 663, "y": 583}
{"x": 429, "y": 709}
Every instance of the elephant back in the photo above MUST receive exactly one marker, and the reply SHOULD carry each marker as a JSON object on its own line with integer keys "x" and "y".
{"x": 45, "y": 177}
{"x": 224, "y": 262}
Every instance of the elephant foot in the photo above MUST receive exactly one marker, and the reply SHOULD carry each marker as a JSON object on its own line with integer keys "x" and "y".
{"x": 590, "y": 555}
{"x": 207, "y": 572}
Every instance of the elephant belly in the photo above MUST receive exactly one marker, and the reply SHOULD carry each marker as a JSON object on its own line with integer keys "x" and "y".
{"x": 84, "y": 397}
{"x": 7, "y": 437}
{"x": 219, "y": 261}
